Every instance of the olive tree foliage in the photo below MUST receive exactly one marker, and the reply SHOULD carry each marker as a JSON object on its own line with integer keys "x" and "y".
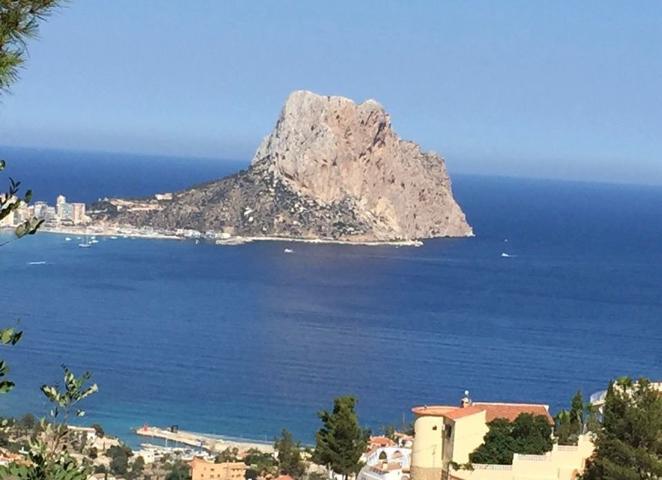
{"x": 48, "y": 455}
{"x": 9, "y": 202}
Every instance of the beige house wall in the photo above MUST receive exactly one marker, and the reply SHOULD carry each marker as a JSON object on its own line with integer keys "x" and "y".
{"x": 204, "y": 470}
{"x": 562, "y": 463}
{"x": 467, "y": 436}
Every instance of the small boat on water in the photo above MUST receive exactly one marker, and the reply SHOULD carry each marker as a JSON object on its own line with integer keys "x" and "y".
{"x": 506, "y": 255}
{"x": 67, "y": 239}
{"x": 37, "y": 263}
{"x": 288, "y": 250}
{"x": 113, "y": 237}
{"x": 86, "y": 243}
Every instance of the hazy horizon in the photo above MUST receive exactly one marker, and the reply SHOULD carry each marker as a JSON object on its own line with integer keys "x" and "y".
{"x": 559, "y": 91}
{"x": 247, "y": 160}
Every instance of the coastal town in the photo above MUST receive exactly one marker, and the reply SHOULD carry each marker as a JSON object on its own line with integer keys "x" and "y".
{"x": 444, "y": 442}
{"x": 73, "y": 218}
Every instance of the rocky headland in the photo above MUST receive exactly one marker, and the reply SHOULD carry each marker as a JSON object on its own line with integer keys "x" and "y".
{"x": 331, "y": 170}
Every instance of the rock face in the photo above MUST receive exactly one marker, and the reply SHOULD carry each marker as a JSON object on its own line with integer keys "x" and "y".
{"x": 331, "y": 169}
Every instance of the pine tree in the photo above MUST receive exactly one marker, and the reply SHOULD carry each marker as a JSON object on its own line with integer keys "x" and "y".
{"x": 629, "y": 443}
{"x": 289, "y": 455}
{"x": 341, "y": 441}
{"x": 19, "y": 21}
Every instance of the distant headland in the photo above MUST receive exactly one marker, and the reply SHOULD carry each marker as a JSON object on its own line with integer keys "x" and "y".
{"x": 331, "y": 170}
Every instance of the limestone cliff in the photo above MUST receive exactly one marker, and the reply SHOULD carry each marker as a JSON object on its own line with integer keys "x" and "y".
{"x": 331, "y": 169}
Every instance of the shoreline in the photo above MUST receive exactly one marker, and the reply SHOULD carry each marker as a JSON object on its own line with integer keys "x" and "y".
{"x": 209, "y": 442}
{"x": 126, "y": 232}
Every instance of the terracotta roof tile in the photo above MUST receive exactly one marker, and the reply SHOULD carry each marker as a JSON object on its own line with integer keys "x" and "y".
{"x": 509, "y": 411}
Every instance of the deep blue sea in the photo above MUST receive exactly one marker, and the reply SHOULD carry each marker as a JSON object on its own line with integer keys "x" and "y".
{"x": 246, "y": 340}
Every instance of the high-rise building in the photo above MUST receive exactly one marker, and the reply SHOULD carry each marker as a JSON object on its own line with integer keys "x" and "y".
{"x": 66, "y": 212}
{"x": 78, "y": 213}
{"x": 60, "y": 203}
{"x": 40, "y": 209}
{"x": 50, "y": 214}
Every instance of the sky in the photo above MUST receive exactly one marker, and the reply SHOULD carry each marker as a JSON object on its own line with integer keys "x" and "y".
{"x": 560, "y": 89}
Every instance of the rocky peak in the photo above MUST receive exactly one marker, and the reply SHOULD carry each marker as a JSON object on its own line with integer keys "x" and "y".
{"x": 331, "y": 169}
{"x": 333, "y": 149}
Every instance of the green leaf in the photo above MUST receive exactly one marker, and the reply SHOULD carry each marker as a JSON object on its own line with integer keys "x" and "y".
{"x": 10, "y": 336}
{"x": 6, "y": 386}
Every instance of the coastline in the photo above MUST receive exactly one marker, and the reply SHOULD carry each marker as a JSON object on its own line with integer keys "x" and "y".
{"x": 132, "y": 232}
{"x": 107, "y": 232}
{"x": 205, "y": 441}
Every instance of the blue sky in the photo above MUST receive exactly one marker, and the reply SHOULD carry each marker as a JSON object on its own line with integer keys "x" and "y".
{"x": 546, "y": 89}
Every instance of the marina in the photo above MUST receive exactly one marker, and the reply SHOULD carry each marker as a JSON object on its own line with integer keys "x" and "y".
{"x": 208, "y": 443}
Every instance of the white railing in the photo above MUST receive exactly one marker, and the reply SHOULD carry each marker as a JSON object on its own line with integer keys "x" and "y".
{"x": 489, "y": 466}
{"x": 530, "y": 458}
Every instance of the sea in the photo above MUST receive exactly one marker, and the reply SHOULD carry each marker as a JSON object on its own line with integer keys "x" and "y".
{"x": 560, "y": 290}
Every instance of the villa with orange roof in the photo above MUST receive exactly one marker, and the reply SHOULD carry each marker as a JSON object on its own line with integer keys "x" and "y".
{"x": 446, "y": 435}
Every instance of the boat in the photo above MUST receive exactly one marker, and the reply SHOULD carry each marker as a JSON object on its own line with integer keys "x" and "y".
{"x": 85, "y": 243}
{"x": 37, "y": 263}
{"x": 67, "y": 239}
{"x": 505, "y": 255}
{"x": 288, "y": 250}
{"x": 113, "y": 237}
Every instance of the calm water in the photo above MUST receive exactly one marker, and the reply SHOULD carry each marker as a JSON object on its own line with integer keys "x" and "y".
{"x": 247, "y": 340}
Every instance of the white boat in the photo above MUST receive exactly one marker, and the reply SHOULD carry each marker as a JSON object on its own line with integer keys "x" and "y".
{"x": 37, "y": 263}
{"x": 505, "y": 255}
{"x": 67, "y": 239}
{"x": 113, "y": 237}
{"x": 85, "y": 243}
{"x": 288, "y": 250}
